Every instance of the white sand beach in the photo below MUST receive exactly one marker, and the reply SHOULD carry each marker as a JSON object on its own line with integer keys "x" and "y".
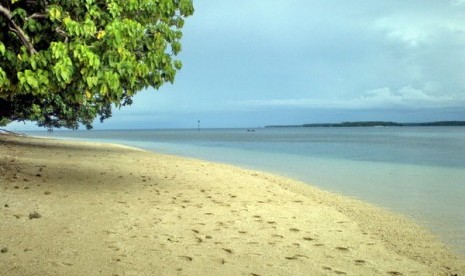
{"x": 72, "y": 208}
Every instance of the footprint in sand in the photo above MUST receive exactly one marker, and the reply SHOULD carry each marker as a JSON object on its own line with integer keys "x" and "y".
{"x": 394, "y": 273}
{"x": 253, "y": 242}
{"x": 186, "y": 258}
{"x": 227, "y": 250}
{"x": 335, "y": 271}
{"x": 296, "y": 257}
{"x": 359, "y": 262}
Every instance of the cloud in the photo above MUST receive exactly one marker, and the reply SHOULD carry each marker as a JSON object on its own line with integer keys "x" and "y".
{"x": 384, "y": 97}
{"x": 408, "y": 97}
{"x": 458, "y": 2}
{"x": 415, "y": 26}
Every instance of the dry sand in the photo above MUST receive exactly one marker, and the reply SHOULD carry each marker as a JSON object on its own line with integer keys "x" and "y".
{"x": 72, "y": 208}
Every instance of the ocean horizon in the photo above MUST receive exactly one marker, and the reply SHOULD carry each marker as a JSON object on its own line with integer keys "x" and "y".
{"x": 414, "y": 171}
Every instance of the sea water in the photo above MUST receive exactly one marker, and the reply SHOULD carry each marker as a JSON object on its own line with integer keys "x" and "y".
{"x": 416, "y": 171}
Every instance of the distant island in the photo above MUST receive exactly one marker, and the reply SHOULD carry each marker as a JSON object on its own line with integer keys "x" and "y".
{"x": 376, "y": 124}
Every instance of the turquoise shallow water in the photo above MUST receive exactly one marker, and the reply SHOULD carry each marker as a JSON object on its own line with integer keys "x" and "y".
{"x": 419, "y": 172}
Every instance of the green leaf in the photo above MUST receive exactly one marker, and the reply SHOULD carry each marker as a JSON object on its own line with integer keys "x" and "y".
{"x": 186, "y": 7}
{"x": 43, "y": 77}
{"x": 2, "y": 48}
{"x": 65, "y": 75}
{"x": 33, "y": 64}
{"x": 21, "y": 13}
{"x": 176, "y": 47}
{"x": 21, "y": 77}
{"x": 103, "y": 90}
{"x": 32, "y": 81}
{"x": 54, "y": 13}
{"x": 91, "y": 81}
{"x": 4, "y": 81}
{"x": 177, "y": 64}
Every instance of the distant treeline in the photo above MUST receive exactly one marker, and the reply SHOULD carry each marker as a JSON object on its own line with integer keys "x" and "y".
{"x": 378, "y": 124}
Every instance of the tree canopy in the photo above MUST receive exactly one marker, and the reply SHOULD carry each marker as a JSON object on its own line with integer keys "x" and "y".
{"x": 67, "y": 62}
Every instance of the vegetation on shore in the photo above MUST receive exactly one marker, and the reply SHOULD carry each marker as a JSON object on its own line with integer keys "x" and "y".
{"x": 377, "y": 124}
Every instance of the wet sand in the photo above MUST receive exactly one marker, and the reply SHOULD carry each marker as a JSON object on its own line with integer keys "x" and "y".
{"x": 69, "y": 208}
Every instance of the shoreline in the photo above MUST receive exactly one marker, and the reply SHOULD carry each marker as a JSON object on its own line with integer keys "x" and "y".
{"x": 139, "y": 212}
{"x": 393, "y": 197}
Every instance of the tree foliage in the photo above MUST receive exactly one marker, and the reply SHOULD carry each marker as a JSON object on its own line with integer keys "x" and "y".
{"x": 66, "y": 62}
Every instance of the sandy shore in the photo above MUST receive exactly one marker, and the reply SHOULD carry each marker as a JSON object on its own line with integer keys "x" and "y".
{"x": 70, "y": 208}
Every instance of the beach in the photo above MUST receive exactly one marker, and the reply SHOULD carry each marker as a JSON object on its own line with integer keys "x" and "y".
{"x": 75, "y": 208}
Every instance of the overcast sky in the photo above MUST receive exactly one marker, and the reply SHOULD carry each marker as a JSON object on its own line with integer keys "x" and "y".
{"x": 260, "y": 62}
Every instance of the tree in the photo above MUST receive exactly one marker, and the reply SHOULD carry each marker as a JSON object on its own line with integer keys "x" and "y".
{"x": 67, "y": 62}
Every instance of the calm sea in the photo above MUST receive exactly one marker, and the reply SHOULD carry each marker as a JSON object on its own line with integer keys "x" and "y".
{"x": 416, "y": 171}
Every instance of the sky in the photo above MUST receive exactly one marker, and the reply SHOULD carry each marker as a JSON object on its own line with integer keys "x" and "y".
{"x": 267, "y": 62}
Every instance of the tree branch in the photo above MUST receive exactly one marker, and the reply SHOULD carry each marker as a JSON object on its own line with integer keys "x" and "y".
{"x": 37, "y": 16}
{"x": 62, "y": 33}
{"x": 17, "y": 30}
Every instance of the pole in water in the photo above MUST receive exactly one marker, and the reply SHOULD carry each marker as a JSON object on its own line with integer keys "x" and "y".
{"x": 198, "y": 125}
